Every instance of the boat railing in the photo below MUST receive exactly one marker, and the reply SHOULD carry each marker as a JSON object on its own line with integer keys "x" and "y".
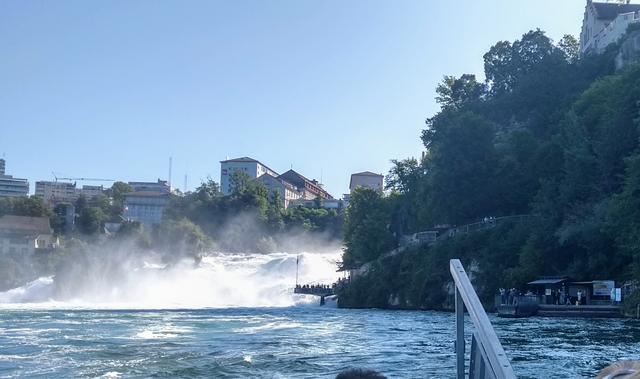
{"x": 487, "y": 358}
{"x": 516, "y": 300}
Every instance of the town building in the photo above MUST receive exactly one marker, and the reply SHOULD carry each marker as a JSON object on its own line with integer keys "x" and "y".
{"x": 367, "y": 179}
{"x": 54, "y": 193}
{"x": 91, "y": 191}
{"x": 25, "y": 235}
{"x": 10, "y": 186}
{"x": 287, "y": 191}
{"x": 605, "y": 23}
{"x": 310, "y": 189}
{"x": 253, "y": 168}
{"x": 146, "y": 207}
{"x": 13, "y": 187}
{"x": 161, "y": 186}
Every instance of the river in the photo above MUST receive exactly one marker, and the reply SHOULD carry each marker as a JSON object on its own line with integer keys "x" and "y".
{"x": 236, "y": 317}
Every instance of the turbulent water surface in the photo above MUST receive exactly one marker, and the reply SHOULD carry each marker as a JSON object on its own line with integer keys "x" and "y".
{"x": 235, "y": 317}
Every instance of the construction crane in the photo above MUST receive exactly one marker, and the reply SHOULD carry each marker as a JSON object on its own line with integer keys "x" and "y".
{"x": 83, "y": 179}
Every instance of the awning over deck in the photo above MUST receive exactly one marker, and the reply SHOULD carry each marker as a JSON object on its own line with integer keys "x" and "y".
{"x": 548, "y": 281}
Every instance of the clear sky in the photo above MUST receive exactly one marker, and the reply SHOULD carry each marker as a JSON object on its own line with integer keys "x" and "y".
{"x": 112, "y": 89}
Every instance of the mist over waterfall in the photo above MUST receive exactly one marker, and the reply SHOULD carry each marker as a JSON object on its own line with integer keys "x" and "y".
{"x": 219, "y": 280}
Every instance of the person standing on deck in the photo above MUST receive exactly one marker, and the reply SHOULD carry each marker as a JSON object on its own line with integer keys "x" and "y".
{"x": 579, "y": 297}
{"x": 613, "y": 295}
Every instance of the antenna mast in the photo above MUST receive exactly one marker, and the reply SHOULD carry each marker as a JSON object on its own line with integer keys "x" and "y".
{"x": 170, "y": 163}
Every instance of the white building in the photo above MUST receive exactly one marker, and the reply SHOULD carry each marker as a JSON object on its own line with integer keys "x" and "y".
{"x": 145, "y": 207}
{"x": 25, "y": 235}
{"x": 286, "y": 190}
{"x": 605, "y": 23}
{"x": 161, "y": 186}
{"x": 10, "y": 186}
{"x": 367, "y": 179}
{"x": 249, "y": 166}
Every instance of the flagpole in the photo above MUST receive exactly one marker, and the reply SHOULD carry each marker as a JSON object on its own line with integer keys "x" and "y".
{"x": 297, "y": 263}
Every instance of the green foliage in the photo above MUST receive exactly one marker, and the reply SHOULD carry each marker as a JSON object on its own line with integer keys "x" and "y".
{"x": 24, "y": 206}
{"x": 367, "y": 232}
{"x": 117, "y": 194}
{"x": 181, "y": 238}
{"x": 550, "y": 135}
{"x": 456, "y": 92}
{"x": 250, "y": 218}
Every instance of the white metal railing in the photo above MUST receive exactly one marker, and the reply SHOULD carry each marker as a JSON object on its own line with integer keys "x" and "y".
{"x": 488, "y": 359}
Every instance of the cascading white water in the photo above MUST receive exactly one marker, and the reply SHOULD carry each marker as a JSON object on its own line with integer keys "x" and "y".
{"x": 221, "y": 280}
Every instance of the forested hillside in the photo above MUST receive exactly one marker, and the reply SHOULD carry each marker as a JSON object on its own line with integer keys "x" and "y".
{"x": 548, "y": 134}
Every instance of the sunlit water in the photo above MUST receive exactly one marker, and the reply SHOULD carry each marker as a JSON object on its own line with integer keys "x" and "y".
{"x": 293, "y": 342}
{"x": 236, "y": 317}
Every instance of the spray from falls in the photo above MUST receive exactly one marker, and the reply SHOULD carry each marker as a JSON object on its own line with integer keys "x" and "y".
{"x": 220, "y": 280}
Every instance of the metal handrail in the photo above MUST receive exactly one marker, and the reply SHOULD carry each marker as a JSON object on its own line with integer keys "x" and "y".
{"x": 491, "y": 360}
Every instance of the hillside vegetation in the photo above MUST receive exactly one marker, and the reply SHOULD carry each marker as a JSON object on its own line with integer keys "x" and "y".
{"x": 547, "y": 134}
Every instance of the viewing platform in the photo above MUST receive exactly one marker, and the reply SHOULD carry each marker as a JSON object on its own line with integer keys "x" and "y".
{"x": 316, "y": 290}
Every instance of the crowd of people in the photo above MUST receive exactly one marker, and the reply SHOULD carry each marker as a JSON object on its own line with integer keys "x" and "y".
{"x": 320, "y": 288}
{"x": 557, "y": 297}
{"x": 509, "y": 296}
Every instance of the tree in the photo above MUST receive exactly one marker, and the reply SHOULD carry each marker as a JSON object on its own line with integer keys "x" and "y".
{"x": 570, "y": 46}
{"x": 275, "y": 212}
{"x": 460, "y": 170}
{"x": 91, "y": 220}
{"x": 240, "y": 181}
{"x": 456, "y": 92}
{"x": 403, "y": 175}
{"x": 118, "y": 191}
{"x": 24, "y": 206}
{"x": 366, "y": 228}
{"x": 505, "y": 64}
{"x": 209, "y": 190}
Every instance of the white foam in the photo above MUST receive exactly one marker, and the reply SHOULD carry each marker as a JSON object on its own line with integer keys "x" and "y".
{"x": 220, "y": 281}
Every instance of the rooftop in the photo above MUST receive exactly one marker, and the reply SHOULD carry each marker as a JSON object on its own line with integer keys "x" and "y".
{"x": 39, "y": 225}
{"x": 241, "y": 159}
{"x": 609, "y": 11}
{"x": 366, "y": 173}
{"x": 247, "y": 160}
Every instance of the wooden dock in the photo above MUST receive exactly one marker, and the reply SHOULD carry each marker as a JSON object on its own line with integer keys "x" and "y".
{"x": 582, "y": 311}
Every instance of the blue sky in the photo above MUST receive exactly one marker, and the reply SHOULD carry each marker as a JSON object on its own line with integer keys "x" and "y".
{"x": 112, "y": 89}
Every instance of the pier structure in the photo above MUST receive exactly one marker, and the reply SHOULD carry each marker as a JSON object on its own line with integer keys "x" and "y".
{"x": 316, "y": 290}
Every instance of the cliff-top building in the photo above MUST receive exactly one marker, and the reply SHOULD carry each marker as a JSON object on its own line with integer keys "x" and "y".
{"x": 605, "y": 23}
{"x": 287, "y": 191}
{"x": 310, "y": 189}
{"x": 253, "y": 168}
{"x": 367, "y": 179}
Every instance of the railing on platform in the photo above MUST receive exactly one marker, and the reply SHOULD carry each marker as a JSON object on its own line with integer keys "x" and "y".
{"x": 488, "y": 359}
